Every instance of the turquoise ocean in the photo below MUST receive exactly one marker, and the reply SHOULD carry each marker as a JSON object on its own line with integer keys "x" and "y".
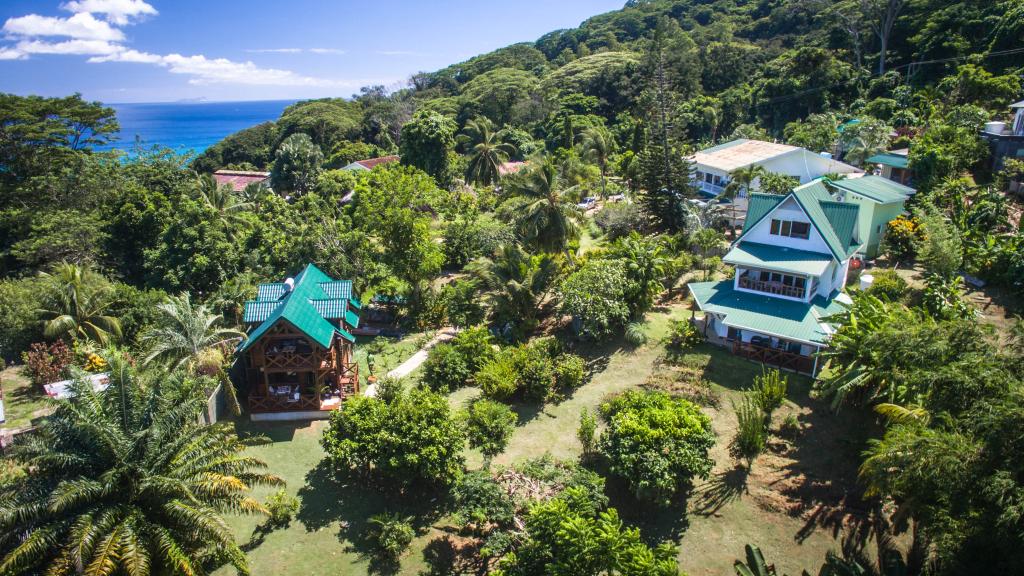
{"x": 189, "y": 126}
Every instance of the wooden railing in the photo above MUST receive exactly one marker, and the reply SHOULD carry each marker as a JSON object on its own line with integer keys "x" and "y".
{"x": 774, "y": 357}
{"x": 772, "y": 288}
{"x": 290, "y": 360}
{"x": 283, "y": 403}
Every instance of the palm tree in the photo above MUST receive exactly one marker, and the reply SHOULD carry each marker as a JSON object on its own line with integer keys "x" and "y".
{"x": 486, "y": 152}
{"x": 184, "y": 333}
{"x": 742, "y": 179}
{"x": 78, "y": 308}
{"x": 646, "y": 266}
{"x": 598, "y": 144}
{"x": 515, "y": 283}
{"x": 124, "y": 481}
{"x": 543, "y": 218}
{"x": 223, "y": 200}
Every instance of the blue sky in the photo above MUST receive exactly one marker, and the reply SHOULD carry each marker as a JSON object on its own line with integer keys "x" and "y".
{"x": 168, "y": 50}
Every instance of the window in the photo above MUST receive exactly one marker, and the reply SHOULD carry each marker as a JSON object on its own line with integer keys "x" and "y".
{"x": 708, "y": 177}
{"x": 734, "y": 334}
{"x": 791, "y": 228}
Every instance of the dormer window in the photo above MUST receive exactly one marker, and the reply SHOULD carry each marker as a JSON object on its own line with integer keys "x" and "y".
{"x": 791, "y": 228}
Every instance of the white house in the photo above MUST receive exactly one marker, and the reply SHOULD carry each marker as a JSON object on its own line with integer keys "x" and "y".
{"x": 715, "y": 165}
{"x": 791, "y": 263}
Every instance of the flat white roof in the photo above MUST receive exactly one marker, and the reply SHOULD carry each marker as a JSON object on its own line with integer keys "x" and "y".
{"x": 740, "y": 153}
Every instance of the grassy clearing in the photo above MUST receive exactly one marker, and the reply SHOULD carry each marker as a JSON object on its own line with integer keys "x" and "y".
{"x": 23, "y": 402}
{"x": 795, "y": 503}
{"x": 387, "y": 353}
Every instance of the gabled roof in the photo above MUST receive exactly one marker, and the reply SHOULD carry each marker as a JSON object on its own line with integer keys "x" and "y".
{"x": 881, "y": 190}
{"x": 788, "y": 319}
{"x": 758, "y": 206}
{"x": 307, "y": 306}
{"x": 781, "y": 258}
{"x": 835, "y": 221}
{"x": 889, "y": 159}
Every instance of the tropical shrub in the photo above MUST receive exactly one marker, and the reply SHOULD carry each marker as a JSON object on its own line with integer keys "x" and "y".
{"x": 635, "y": 334}
{"x": 445, "y": 368}
{"x": 47, "y": 364}
{"x": 498, "y": 378}
{"x": 489, "y": 426}
{"x": 390, "y": 534}
{"x": 769, "y": 391}
{"x": 889, "y": 285}
{"x": 595, "y": 296}
{"x": 944, "y": 298}
{"x": 536, "y": 370}
{"x": 282, "y": 507}
{"x": 479, "y": 500}
{"x": 570, "y": 535}
{"x": 751, "y": 432}
{"x": 618, "y": 219}
{"x": 655, "y": 443}
{"x": 408, "y": 442}
{"x": 19, "y": 316}
{"x": 476, "y": 345}
{"x": 683, "y": 335}
{"x": 901, "y": 238}
{"x": 585, "y": 431}
{"x": 570, "y": 370}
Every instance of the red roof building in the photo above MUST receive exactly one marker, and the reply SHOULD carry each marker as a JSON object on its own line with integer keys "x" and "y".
{"x": 370, "y": 163}
{"x": 239, "y": 179}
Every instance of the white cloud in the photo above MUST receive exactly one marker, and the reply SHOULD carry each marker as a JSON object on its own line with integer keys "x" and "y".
{"x": 12, "y": 54}
{"x": 295, "y": 50}
{"x": 120, "y": 12}
{"x": 205, "y": 70}
{"x": 274, "y": 50}
{"x": 103, "y": 41}
{"x": 81, "y": 26}
{"x": 80, "y": 47}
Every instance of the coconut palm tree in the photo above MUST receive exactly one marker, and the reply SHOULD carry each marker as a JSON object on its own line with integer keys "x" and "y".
{"x": 124, "y": 481}
{"x": 78, "y": 305}
{"x": 184, "y": 333}
{"x": 515, "y": 283}
{"x": 598, "y": 144}
{"x": 223, "y": 200}
{"x": 742, "y": 179}
{"x": 486, "y": 151}
{"x": 543, "y": 217}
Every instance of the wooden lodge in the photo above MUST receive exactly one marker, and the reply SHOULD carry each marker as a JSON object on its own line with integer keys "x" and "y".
{"x": 298, "y": 357}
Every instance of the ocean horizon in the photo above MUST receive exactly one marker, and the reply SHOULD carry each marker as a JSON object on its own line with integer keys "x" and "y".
{"x": 188, "y": 127}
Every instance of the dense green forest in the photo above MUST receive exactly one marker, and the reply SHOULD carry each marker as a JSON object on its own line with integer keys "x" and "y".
{"x": 143, "y": 263}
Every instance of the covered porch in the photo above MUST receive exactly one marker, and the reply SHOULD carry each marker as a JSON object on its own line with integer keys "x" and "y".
{"x": 760, "y": 348}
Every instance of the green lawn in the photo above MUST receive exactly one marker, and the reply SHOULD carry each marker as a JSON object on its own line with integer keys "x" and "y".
{"x": 388, "y": 353}
{"x": 793, "y": 503}
{"x": 23, "y": 402}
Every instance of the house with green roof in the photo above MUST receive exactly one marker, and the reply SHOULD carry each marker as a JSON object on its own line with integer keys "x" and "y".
{"x": 893, "y": 165}
{"x": 791, "y": 261}
{"x": 881, "y": 200}
{"x": 298, "y": 354}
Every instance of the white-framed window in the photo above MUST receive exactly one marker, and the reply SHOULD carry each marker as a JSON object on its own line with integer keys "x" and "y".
{"x": 791, "y": 228}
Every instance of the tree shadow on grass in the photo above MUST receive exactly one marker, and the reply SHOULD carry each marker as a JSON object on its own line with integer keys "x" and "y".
{"x": 448, "y": 554}
{"x": 329, "y": 497}
{"x": 657, "y": 524}
{"x": 720, "y": 490}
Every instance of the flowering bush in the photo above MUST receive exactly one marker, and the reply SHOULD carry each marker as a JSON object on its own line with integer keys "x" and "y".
{"x": 46, "y": 364}
{"x": 901, "y": 235}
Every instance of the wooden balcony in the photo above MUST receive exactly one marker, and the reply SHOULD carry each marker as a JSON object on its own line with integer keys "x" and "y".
{"x": 774, "y": 357}
{"x": 777, "y": 288}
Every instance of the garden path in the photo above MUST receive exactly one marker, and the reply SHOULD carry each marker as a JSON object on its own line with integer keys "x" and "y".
{"x": 405, "y": 368}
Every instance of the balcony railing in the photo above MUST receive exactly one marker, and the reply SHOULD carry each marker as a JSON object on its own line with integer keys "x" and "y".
{"x": 710, "y": 188}
{"x": 774, "y": 357}
{"x": 777, "y": 288}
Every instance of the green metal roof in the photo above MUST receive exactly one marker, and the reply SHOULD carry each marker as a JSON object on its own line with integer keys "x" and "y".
{"x": 307, "y": 307}
{"x": 888, "y": 159}
{"x": 758, "y": 206}
{"x": 881, "y": 190}
{"x": 779, "y": 258}
{"x": 338, "y": 289}
{"x": 835, "y": 221}
{"x": 789, "y": 319}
